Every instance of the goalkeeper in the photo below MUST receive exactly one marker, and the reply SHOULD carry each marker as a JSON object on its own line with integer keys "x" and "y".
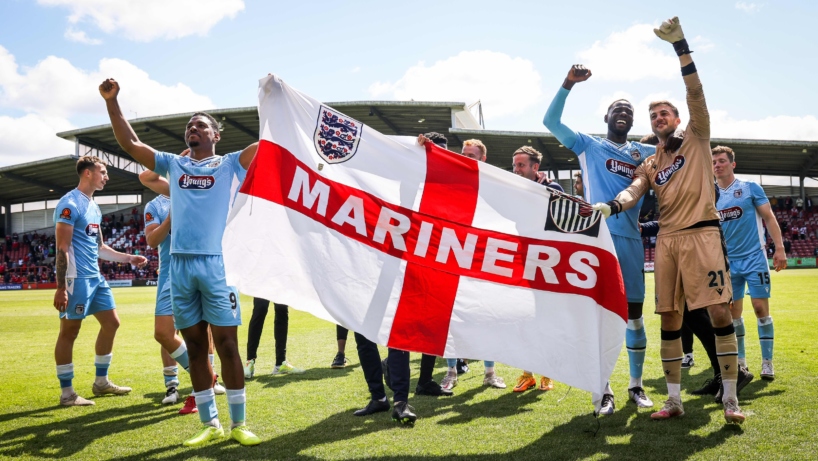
{"x": 691, "y": 263}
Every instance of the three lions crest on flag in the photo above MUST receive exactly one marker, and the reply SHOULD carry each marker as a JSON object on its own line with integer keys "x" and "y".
{"x": 422, "y": 249}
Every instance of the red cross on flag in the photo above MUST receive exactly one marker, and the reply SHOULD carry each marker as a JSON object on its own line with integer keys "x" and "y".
{"x": 422, "y": 249}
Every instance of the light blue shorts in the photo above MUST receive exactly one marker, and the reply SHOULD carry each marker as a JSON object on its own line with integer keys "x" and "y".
{"x": 753, "y": 271}
{"x": 199, "y": 292}
{"x": 163, "y": 302}
{"x": 87, "y": 296}
{"x": 631, "y": 254}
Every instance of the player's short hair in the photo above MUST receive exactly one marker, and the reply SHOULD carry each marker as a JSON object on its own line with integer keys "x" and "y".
{"x": 651, "y": 139}
{"x": 619, "y": 100}
{"x": 211, "y": 119}
{"x": 87, "y": 162}
{"x": 437, "y": 138}
{"x": 578, "y": 175}
{"x": 663, "y": 102}
{"x": 533, "y": 155}
{"x": 726, "y": 151}
{"x": 478, "y": 144}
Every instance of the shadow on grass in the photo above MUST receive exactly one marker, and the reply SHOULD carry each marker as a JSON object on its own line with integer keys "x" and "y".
{"x": 311, "y": 374}
{"x": 66, "y": 437}
{"x": 623, "y": 435}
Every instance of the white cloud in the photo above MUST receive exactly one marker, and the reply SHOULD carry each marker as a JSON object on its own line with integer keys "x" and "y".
{"x": 701, "y": 44}
{"x": 56, "y": 88}
{"x": 31, "y": 137}
{"x": 148, "y": 20}
{"x": 505, "y": 85}
{"x": 749, "y": 7}
{"x": 722, "y": 125}
{"x": 631, "y": 55}
{"x": 355, "y": 70}
{"x": 75, "y": 35}
{"x": 782, "y": 127}
{"x": 54, "y": 91}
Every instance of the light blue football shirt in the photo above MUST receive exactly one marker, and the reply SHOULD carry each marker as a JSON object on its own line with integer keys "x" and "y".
{"x": 156, "y": 212}
{"x": 201, "y": 194}
{"x": 607, "y": 169}
{"x": 740, "y": 221}
{"x": 80, "y": 211}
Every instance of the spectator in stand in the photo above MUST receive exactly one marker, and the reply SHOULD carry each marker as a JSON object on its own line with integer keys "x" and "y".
{"x": 809, "y": 204}
{"x": 787, "y": 247}
{"x": 788, "y": 203}
{"x": 15, "y": 237}
{"x": 802, "y": 232}
{"x": 774, "y": 203}
{"x": 799, "y": 203}
{"x": 794, "y": 232}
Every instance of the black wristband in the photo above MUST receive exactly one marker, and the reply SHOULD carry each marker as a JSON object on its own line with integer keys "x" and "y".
{"x": 616, "y": 207}
{"x": 689, "y": 69}
{"x": 681, "y": 47}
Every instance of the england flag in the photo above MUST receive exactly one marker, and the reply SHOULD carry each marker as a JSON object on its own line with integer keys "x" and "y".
{"x": 422, "y": 249}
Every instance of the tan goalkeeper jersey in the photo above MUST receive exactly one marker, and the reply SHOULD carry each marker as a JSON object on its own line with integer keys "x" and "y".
{"x": 683, "y": 180}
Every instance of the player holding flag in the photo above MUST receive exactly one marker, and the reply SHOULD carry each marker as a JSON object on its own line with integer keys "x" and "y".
{"x": 202, "y": 187}
{"x": 608, "y": 165}
{"x": 691, "y": 262}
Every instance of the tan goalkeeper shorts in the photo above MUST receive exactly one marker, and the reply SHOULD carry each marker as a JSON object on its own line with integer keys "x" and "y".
{"x": 691, "y": 266}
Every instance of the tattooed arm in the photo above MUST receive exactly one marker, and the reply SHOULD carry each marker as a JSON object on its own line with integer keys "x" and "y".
{"x": 64, "y": 234}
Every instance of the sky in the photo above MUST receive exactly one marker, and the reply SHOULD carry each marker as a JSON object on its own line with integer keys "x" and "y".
{"x": 756, "y": 60}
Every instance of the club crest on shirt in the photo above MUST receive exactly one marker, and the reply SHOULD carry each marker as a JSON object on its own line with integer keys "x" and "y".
{"x": 635, "y": 155}
{"x": 79, "y": 309}
{"x": 92, "y": 230}
{"x": 65, "y": 213}
{"x": 336, "y": 135}
{"x": 148, "y": 217}
{"x": 737, "y": 193}
{"x": 189, "y": 181}
{"x": 620, "y": 168}
{"x": 664, "y": 175}
{"x": 730, "y": 214}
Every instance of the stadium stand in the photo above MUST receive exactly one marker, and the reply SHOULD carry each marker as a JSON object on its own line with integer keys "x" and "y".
{"x": 30, "y": 257}
{"x": 799, "y": 229}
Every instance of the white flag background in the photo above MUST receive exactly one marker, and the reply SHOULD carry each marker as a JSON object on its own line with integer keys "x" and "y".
{"x": 422, "y": 249}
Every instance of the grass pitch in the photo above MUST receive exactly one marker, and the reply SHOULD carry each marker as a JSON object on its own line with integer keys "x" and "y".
{"x": 308, "y": 416}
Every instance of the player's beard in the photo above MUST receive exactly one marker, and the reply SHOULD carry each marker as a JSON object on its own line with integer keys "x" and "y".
{"x": 193, "y": 144}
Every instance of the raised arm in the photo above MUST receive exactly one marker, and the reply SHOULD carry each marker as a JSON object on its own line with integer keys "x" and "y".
{"x": 553, "y": 117}
{"x": 247, "y": 155}
{"x": 671, "y": 32}
{"x": 63, "y": 234}
{"x": 125, "y": 135}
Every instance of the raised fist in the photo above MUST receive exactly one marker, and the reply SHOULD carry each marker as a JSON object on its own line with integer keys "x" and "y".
{"x": 578, "y": 73}
{"x": 109, "y": 89}
{"x": 670, "y": 30}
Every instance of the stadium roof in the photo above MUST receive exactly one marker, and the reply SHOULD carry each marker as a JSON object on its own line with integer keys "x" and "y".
{"x": 52, "y": 178}
{"x": 35, "y": 181}
{"x": 789, "y": 158}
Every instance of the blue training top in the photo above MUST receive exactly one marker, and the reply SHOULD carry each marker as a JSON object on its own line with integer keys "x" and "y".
{"x": 201, "y": 195}
{"x": 80, "y": 211}
{"x": 156, "y": 212}
{"x": 607, "y": 167}
{"x": 743, "y": 231}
